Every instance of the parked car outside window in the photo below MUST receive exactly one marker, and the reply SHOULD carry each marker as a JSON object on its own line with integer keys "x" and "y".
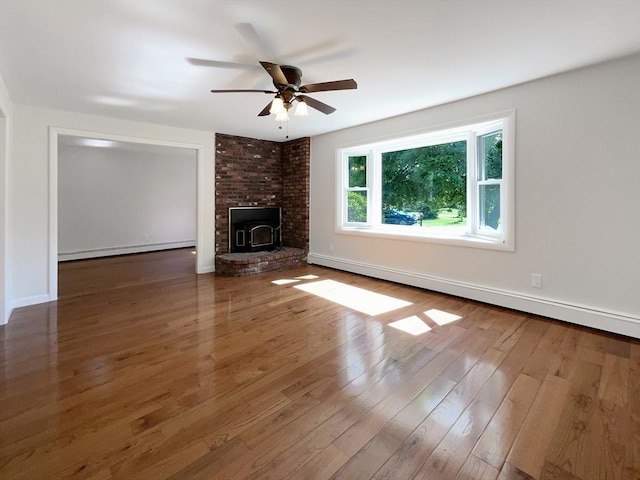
{"x": 399, "y": 217}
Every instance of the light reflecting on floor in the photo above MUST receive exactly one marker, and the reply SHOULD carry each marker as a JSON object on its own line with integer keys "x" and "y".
{"x": 284, "y": 281}
{"x": 412, "y": 325}
{"x": 440, "y": 317}
{"x": 359, "y": 299}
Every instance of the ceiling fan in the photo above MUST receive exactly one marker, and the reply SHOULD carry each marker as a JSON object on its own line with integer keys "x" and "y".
{"x": 287, "y": 79}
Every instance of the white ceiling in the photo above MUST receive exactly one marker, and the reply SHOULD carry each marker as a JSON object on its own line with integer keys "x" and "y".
{"x": 129, "y": 59}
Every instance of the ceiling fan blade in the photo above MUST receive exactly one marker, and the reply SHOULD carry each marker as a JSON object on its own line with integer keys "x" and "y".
{"x": 326, "y": 86}
{"x": 309, "y": 53}
{"x": 276, "y": 73}
{"x": 330, "y": 56}
{"x": 313, "y": 103}
{"x": 250, "y": 35}
{"x": 243, "y": 91}
{"x": 265, "y": 111}
{"x": 199, "y": 62}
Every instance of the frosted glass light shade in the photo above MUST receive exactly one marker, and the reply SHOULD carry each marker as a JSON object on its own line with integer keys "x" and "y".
{"x": 277, "y": 106}
{"x": 301, "y": 109}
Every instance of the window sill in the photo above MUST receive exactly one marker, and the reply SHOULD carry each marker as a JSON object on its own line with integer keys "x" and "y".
{"x": 451, "y": 236}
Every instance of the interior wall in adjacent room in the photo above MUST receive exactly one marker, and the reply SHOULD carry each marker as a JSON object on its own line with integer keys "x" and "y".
{"x": 124, "y": 199}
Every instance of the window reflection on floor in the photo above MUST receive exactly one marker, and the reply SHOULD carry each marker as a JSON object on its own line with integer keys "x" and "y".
{"x": 284, "y": 281}
{"x": 359, "y": 299}
{"x": 440, "y": 317}
{"x": 370, "y": 303}
{"x": 413, "y": 325}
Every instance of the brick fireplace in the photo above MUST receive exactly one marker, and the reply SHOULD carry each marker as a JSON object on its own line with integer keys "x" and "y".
{"x": 262, "y": 173}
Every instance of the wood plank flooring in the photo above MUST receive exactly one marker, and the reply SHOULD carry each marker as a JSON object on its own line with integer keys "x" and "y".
{"x": 143, "y": 370}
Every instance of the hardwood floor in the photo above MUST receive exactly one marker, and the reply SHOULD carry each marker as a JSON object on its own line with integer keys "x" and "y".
{"x": 143, "y": 370}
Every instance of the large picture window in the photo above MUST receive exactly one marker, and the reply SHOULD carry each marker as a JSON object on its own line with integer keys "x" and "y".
{"x": 451, "y": 185}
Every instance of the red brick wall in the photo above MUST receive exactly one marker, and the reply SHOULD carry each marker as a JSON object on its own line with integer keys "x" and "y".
{"x": 295, "y": 193}
{"x": 261, "y": 173}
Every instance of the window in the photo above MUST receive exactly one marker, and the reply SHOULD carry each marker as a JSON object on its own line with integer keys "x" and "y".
{"x": 452, "y": 185}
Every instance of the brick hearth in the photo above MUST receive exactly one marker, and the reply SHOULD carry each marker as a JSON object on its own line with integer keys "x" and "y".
{"x": 251, "y": 263}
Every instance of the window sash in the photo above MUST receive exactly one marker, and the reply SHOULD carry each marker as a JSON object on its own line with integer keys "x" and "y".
{"x": 346, "y": 188}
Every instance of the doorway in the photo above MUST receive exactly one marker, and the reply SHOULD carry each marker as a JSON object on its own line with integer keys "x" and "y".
{"x": 119, "y": 242}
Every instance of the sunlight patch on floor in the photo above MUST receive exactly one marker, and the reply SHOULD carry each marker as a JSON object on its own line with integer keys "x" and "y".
{"x": 359, "y": 299}
{"x": 440, "y": 317}
{"x": 284, "y": 281}
{"x": 412, "y": 325}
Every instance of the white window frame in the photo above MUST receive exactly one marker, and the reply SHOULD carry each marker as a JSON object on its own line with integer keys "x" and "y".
{"x": 345, "y": 188}
{"x": 473, "y": 234}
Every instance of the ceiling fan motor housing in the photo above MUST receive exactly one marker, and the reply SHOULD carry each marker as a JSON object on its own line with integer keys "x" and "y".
{"x": 292, "y": 74}
{"x": 288, "y": 92}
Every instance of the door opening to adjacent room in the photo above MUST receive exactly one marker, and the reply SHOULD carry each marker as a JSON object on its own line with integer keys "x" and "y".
{"x": 113, "y": 196}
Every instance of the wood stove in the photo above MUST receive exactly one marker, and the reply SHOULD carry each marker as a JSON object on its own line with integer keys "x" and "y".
{"x": 254, "y": 229}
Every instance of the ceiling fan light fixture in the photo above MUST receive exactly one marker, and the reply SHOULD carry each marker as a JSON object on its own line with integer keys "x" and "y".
{"x": 277, "y": 106}
{"x": 301, "y": 109}
{"x": 282, "y": 116}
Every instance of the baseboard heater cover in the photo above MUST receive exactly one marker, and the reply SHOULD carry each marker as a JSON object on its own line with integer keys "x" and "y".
{"x": 111, "y": 251}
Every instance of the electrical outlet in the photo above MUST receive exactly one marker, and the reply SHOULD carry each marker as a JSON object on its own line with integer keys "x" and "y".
{"x": 536, "y": 280}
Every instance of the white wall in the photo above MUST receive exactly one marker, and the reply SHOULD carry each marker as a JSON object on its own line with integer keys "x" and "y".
{"x": 124, "y": 199}
{"x": 30, "y": 190}
{"x": 6, "y": 120}
{"x": 577, "y": 203}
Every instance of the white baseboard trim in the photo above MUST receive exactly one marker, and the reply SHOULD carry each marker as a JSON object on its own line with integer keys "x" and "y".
{"x": 107, "y": 252}
{"x": 610, "y": 321}
{"x": 26, "y": 301}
